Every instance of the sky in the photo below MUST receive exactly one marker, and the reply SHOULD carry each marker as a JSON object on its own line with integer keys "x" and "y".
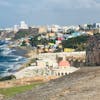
{"x": 48, "y": 12}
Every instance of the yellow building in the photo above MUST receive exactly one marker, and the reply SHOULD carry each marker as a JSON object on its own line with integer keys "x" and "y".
{"x": 42, "y": 29}
{"x": 68, "y": 50}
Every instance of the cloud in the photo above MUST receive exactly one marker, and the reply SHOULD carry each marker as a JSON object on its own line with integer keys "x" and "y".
{"x": 5, "y": 3}
{"x": 70, "y": 4}
{"x": 50, "y": 11}
{"x": 88, "y": 4}
{"x": 50, "y": 5}
{"x": 53, "y": 6}
{"x": 73, "y": 4}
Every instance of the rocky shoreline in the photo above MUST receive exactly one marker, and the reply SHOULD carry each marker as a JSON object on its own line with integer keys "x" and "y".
{"x": 22, "y": 52}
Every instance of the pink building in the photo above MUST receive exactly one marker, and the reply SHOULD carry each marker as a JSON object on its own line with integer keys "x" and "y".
{"x": 63, "y": 63}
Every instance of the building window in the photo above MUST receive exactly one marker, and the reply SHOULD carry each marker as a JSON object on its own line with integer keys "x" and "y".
{"x": 58, "y": 74}
{"x": 65, "y": 73}
{"x": 62, "y": 74}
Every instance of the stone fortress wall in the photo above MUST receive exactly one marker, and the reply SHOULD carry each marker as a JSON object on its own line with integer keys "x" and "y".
{"x": 93, "y": 51}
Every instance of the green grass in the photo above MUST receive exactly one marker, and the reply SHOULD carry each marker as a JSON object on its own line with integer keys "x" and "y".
{"x": 9, "y": 92}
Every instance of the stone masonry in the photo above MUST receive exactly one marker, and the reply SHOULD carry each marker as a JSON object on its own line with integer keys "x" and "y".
{"x": 93, "y": 51}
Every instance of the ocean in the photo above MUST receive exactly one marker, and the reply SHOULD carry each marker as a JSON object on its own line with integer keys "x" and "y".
{"x": 10, "y": 61}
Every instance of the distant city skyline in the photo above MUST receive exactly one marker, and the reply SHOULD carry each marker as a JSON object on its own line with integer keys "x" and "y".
{"x": 48, "y": 12}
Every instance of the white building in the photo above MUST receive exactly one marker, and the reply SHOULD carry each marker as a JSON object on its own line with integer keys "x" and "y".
{"x": 55, "y": 28}
{"x": 23, "y": 25}
{"x": 66, "y": 28}
{"x": 16, "y": 28}
{"x": 97, "y": 25}
{"x": 8, "y": 29}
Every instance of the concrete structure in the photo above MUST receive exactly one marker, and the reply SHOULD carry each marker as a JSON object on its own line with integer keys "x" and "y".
{"x": 64, "y": 71}
{"x": 16, "y": 28}
{"x": 47, "y": 65}
{"x": 55, "y": 28}
{"x": 8, "y": 29}
{"x": 97, "y": 25}
{"x": 67, "y": 54}
{"x": 42, "y": 29}
{"x": 23, "y": 25}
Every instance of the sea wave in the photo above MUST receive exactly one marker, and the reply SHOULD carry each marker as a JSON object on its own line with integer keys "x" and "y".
{"x": 9, "y": 62}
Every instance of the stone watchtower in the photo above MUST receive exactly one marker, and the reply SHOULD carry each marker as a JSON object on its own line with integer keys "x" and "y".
{"x": 93, "y": 51}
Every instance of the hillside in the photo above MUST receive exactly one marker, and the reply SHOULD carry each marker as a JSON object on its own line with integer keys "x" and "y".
{"x": 81, "y": 85}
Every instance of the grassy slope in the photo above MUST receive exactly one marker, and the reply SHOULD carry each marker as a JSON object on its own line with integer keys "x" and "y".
{"x": 9, "y": 92}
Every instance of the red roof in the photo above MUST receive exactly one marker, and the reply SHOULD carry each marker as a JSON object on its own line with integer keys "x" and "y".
{"x": 64, "y": 63}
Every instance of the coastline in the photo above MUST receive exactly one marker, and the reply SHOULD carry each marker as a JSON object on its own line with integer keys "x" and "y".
{"x": 23, "y": 51}
{"x": 20, "y": 51}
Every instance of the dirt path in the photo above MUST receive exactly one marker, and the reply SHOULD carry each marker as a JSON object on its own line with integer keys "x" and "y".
{"x": 81, "y": 85}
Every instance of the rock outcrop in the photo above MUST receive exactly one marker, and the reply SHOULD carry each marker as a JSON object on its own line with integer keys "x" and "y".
{"x": 93, "y": 50}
